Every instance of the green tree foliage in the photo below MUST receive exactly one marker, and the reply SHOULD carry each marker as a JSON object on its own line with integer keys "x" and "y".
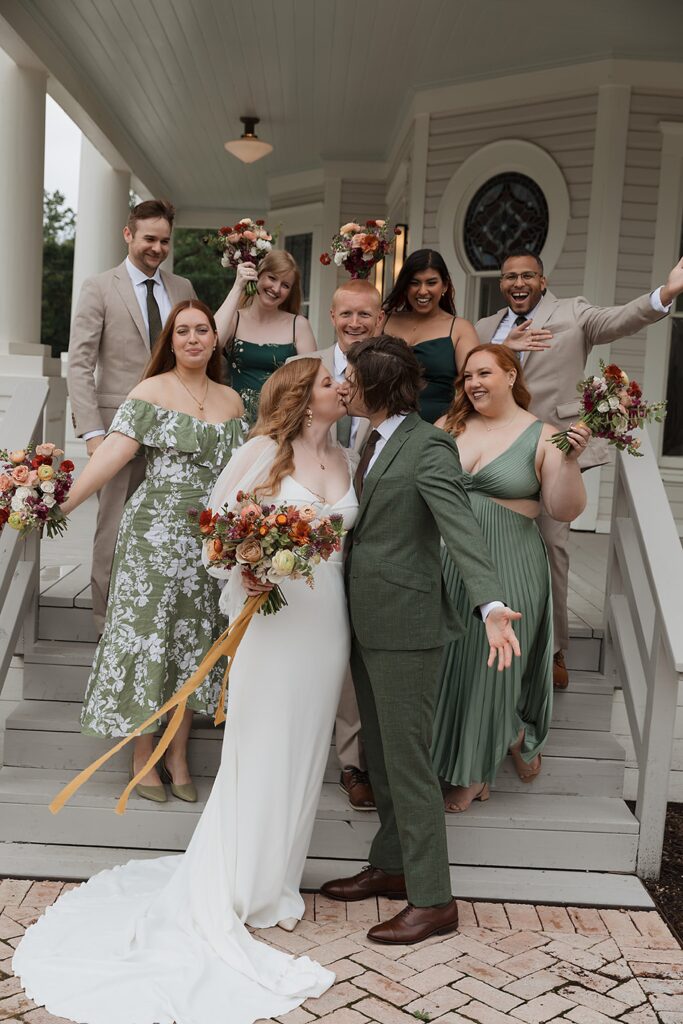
{"x": 59, "y": 229}
{"x": 201, "y": 264}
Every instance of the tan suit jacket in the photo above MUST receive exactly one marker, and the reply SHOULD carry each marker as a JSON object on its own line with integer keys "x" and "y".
{"x": 109, "y": 345}
{"x": 327, "y": 357}
{"x": 552, "y": 375}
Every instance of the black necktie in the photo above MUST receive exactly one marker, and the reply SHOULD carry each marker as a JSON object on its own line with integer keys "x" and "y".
{"x": 365, "y": 458}
{"x": 520, "y": 319}
{"x": 153, "y": 314}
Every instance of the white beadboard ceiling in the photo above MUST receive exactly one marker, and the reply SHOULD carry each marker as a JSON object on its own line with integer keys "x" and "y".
{"x": 329, "y": 79}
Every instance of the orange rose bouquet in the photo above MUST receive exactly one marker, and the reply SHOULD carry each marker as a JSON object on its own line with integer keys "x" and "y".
{"x": 33, "y": 484}
{"x": 246, "y": 242}
{"x": 273, "y": 542}
{"x": 357, "y": 249}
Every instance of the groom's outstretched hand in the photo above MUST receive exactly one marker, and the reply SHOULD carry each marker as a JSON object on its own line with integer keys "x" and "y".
{"x": 503, "y": 642}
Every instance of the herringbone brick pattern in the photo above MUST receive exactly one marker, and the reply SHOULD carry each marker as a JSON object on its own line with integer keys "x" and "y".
{"x": 510, "y": 963}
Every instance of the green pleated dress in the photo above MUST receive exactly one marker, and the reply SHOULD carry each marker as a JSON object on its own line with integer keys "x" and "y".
{"x": 479, "y": 711}
{"x": 162, "y": 611}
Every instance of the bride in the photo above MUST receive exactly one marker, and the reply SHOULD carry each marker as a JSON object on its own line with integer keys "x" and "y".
{"x": 165, "y": 940}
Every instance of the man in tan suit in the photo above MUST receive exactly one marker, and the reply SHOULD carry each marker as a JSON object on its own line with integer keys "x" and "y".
{"x": 119, "y": 315}
{"x": 356, "y": 313}
{"x": 553, "y": 338}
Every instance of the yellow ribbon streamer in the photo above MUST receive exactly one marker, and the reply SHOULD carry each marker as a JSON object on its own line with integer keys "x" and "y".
{"x": 226, "y": 646}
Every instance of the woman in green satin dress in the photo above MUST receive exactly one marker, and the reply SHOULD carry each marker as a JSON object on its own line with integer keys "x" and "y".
{"x": 507, "y": 462}
{"x": 262, "y": 331}
{"x": 421, "y": 307}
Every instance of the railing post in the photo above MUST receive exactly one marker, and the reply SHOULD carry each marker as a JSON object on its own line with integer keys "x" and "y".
{"x": 654, "y": 763}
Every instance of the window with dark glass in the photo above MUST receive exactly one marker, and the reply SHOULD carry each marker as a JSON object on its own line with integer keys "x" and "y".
{"x": 508, "y": 212}
{"x": 673, "y": 423}
{"x": 301, "y": 248}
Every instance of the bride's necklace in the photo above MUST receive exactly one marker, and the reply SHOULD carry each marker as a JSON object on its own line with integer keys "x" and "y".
{"x": 500, "y": 426}
{"x": 193, "y": 397}
{"x": 314, "y": 454}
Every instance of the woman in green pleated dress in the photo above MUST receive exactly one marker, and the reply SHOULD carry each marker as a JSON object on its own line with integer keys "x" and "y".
{"x": 507, "y": 462}
{"x": 162, "y": 611}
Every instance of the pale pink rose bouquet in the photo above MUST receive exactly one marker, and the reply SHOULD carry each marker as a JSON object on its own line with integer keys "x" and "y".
{"x": 613, "y": 407}
{"x": 33, "y": 484}
{"x": 249, "y": 241}
{"x": 274, "y": 542}
{"x": 357, "y": 249}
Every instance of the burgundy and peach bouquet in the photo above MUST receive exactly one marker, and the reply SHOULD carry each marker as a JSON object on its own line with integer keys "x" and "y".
{"x": 33, "y": 484}
{"x": 274, "y": 542}
{"x": 612, "y": 407}
{"x": 246, "y": 242}
{"x": 357, "y": 249}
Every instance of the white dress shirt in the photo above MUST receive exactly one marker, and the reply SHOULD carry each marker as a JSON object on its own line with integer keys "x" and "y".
{"x": 385, "y": 431}
{"x": 508, "y": 321}
{"x": 138, "y": 280}
{"x": 340, "y": 364}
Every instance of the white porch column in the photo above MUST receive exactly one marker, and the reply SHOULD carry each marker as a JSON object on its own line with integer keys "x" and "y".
{"x": 22, "y": 153}
{"x": 101, "y": 217}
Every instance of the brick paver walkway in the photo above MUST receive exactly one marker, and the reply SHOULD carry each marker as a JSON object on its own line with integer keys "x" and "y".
{"x": 510, "y": 963}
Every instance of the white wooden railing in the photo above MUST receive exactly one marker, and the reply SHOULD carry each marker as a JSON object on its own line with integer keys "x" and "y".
{"x": 20, "y": 559}
{"x": 644, "y": 634}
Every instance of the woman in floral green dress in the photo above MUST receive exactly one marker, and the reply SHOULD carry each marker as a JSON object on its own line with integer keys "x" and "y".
{"x": 162, "y": 613}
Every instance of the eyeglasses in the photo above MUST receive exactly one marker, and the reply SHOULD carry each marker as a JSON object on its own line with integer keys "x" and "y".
{"x": 527, "y": 275}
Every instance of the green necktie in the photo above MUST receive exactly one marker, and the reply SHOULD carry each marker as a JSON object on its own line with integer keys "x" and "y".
{"x": 344, "y": 431}
{"x": 153, "y": 314}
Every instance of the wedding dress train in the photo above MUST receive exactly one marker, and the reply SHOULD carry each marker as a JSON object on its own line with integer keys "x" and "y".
{"x": 165, "y": 941}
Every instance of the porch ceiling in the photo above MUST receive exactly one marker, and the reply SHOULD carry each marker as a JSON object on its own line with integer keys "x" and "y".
{"x": 167, "y": 80}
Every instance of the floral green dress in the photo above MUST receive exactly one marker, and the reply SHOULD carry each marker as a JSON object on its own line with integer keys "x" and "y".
{"x": 162, "y": 613}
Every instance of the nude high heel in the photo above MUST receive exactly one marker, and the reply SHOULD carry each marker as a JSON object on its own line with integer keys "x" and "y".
{"x": 483, "y": 795}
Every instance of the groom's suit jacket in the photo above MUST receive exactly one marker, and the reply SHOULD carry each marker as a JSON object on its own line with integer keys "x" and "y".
{"x": 412, "y": 497}
{"x": 109, "y": 345}
{"x": 552, "y": 374}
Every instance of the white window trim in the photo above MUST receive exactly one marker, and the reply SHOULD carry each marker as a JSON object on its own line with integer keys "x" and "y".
{"x": 499, "y": 157}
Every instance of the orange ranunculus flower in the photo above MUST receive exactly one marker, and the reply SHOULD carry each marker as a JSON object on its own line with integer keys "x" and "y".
{"x": 45, "y": 472}
{"x": 300, "y": 532}
{"x": 18, "y": 456}
{"x": 281, "y": 519}
{"x": 263, "y": 530}
{"x": 369, "y": 243}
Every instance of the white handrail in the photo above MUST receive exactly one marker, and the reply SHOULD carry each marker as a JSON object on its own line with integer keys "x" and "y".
{"x": 644, "y": 634}
{"x": 20, "y": 559}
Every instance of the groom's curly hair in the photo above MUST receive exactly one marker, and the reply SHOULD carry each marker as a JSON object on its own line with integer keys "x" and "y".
{"x": 387, "y": 373}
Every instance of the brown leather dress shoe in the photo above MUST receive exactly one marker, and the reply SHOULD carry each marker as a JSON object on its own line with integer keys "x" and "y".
{"x": 560, "y": 674}
{"x": 356, "y": 785}
{"x": 413, "y": 924}
{"x": 368, "y": 882}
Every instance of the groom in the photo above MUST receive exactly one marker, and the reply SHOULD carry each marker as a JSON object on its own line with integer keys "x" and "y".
{"x": 408, "y": 483}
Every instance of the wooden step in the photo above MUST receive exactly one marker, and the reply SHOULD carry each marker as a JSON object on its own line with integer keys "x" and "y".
{"x": 521, "y": 885}
{"x": 559, "y": 832}
{"x": 45, "y": 734}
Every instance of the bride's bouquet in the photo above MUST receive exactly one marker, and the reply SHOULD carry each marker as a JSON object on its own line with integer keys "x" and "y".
{"x": 612, "y": 407}
{"x": 273, "y": 542}
{"x": 33, "y": 484}
{"x": 357, "y": 249}
{"x": 246, "y": 242}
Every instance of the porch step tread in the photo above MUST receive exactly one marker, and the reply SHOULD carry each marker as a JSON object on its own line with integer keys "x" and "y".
{"x": 570, "y": 888}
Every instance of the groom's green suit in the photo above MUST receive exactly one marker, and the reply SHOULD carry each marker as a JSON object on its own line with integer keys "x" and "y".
{"x": 401, "y": 618}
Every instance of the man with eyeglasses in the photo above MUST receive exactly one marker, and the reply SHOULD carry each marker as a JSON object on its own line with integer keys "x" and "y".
{"x": 553, "y": 338}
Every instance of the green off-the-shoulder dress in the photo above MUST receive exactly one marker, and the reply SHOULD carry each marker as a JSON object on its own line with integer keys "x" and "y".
{"x": 480, "y": 711}
{"x": 162, "y": 612}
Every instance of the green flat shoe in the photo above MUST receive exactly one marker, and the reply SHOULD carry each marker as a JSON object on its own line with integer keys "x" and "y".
{"x": 157, "y": 794}
{"x": 186, "y": 792}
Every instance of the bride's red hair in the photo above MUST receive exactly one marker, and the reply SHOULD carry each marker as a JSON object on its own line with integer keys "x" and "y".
{"x": 282, "y": 411}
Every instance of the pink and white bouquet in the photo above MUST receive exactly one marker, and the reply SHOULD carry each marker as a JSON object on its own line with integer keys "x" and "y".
{"x": 273, "y": 542}
{"x": 246, "y": 242}
{"x": 33, "y": 484}
{"x": 357, "y": 249}
{"x": 612, "y": 407}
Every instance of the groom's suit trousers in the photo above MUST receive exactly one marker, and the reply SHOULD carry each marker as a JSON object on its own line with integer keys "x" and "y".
{"x": 396, "y": 692}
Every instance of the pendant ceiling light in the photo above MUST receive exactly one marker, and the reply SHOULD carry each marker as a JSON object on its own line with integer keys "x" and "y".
{"x": 248, "y": 147}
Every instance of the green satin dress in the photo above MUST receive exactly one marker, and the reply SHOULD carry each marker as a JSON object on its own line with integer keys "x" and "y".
{"x": 479, "y": 711}
{"x": 250, "y": 365}
{"x": 436, "y": 356}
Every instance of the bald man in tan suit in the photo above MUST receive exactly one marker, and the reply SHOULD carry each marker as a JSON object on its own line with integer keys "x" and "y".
{"x": 553, "y": 338}
{"x": 119, "y": 315}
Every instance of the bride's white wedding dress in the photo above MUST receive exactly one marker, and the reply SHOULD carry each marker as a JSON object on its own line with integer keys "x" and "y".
{"x": 164, "y": 941}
